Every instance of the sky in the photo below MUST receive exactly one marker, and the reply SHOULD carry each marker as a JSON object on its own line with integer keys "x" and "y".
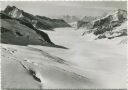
{"x": 58, "y": 8}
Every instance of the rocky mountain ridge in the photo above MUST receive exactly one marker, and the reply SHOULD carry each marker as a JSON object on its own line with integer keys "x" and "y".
{"x": 40, "y": 22}
{"x": 112, "y": 25}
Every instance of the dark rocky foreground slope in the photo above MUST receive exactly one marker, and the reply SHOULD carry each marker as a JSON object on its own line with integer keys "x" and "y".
{"x": 13, "y": 32}
{"x": 39, "y": 22}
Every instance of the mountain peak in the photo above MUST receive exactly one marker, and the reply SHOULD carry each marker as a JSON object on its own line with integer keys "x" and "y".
{"x": 13, "y": 11}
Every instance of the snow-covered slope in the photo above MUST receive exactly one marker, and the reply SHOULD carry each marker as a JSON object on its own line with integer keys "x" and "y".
{"x": 85, "y": 64}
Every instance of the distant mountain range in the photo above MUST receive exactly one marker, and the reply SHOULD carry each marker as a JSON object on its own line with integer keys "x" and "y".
{"x": 69, "y": 18}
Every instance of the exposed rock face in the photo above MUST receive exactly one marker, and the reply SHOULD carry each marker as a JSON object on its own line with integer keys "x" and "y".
{"x": 111, "y": 26}
{"x": 12, "y": 32}
{"x": 13, "y": 12}
{"x": 112, "y": 19}
{"x": 115, "y": 32}
{"x": 109, "y": 23}
{"x": 24, "y": 17}
{"x": 38, "y": 22}
{"x": 4, "y": 16}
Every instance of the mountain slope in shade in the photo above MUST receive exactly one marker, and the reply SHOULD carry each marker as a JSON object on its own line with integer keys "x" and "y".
{"x": 13, "y": 32}
{"x": 38, "y": 21}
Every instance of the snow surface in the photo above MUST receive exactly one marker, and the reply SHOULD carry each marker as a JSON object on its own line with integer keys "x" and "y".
{"x": 85, "y": 64}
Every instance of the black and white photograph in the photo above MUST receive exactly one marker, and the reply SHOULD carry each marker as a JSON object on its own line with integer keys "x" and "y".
{"x": 63, "y": 45}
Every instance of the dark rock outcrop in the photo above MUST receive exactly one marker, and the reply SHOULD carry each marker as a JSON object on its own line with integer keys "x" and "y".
{"x": 110, "y": 21}
{"x": 4, "y": 16}
{"x": 12, "y": 32}
{"x": 110, "y": 26}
